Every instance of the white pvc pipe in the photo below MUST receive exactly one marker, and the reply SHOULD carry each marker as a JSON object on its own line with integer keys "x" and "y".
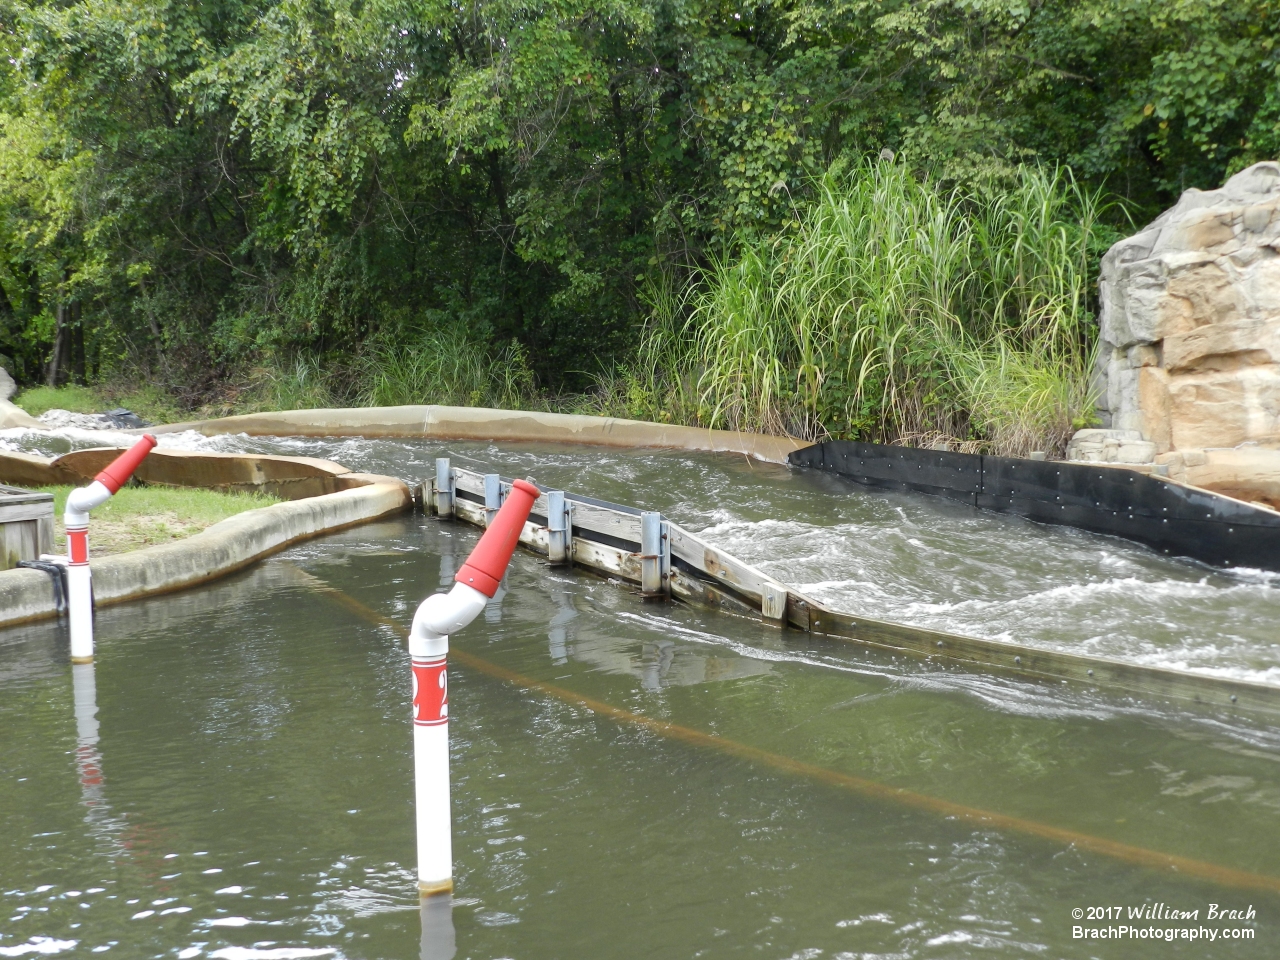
{"x": 79, "y": 580}
{"x": 83, "y": 499}
{"x": 80, "y": 607}
{"x": 444, "y": 613}
{"x": 437, "y": 617}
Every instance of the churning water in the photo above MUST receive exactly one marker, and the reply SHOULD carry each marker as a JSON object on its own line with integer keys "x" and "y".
{"x": 244, "y": 788}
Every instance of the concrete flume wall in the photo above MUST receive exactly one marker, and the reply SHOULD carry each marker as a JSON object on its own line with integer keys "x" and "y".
{"x": 291, "y": 478}
{"x": 224, "y": 547}
{"x": 479, "y": 423}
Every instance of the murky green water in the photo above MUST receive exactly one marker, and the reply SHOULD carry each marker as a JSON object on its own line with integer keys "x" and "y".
{"x": 247, "y": 791}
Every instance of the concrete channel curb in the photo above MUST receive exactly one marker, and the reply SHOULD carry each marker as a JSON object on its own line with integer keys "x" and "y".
{"x": 290, "y": 478}
{"x": 223, "y": 548}
{"x": 478, "y": 423}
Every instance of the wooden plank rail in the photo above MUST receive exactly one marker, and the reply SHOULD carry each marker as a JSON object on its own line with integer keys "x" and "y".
{"x": 26, "y": 525}
{"x": 606, "y": 539}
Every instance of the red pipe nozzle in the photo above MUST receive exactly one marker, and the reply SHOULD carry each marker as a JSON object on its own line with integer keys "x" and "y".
{"x": 119, "y": 470}
{"x": 488, "y": 561}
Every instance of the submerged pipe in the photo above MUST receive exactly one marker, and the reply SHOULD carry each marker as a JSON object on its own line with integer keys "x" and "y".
{"x": 439, "y": 941}
{"x": 436, "y": 618}
{"x": 76, "y": 520}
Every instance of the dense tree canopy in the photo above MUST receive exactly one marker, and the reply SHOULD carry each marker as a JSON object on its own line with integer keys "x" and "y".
{"x": 198, "y": 185}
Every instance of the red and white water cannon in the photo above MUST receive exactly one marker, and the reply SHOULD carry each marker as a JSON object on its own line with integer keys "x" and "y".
{"x": 437, "y": 617}
{"x": 76, "y": 520}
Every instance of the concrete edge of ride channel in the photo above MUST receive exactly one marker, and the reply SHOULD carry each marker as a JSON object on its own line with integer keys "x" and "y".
{"x": 223, "y": 548}
{"x": 479, "y": 423}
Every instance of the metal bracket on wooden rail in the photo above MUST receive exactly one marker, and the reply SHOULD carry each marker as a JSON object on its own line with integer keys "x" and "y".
{"x": 492, "y": 497}
{"x": 655, "y": 555}
{"x": 559, "y": 528}
{"x": 666, "y": 558}
{"x": 444, "y": 488}
{"x": 773, "y": 603}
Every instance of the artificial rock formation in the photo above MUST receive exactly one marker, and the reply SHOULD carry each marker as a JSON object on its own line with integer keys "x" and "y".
{"x": 1190, "y": 353}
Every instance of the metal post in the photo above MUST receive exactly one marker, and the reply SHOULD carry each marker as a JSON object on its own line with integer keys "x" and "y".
{"x": 559, "y": 528}
{"x": 651, "y": 554}
{"x": 665, "y": 565}
{"x": 444, "y": 488}
{"x": 492, "y": 496}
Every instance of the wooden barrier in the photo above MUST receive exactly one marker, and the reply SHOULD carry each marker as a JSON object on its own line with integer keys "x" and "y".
{"x": 606, "y": 538}
{"x": 26, "y": 525}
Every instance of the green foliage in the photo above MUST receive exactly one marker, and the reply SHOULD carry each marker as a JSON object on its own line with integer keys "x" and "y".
{"x": 299, "y": 385}
{"x": 190, "y": 192}
{"x": 446, "y": 367}
{"x": 77, "y": 399}
{"x": 902, "y": 311}
{"x": 659, "y": 383}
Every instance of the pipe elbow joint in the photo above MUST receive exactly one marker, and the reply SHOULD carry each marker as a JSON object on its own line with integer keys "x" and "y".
{"x": 83, "y": 499}
{"x": 444, "y": 613}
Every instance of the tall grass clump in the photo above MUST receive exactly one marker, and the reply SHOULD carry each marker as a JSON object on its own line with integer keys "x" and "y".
{"x": 660, "y": 381}
{"x": 900, "y": 311}
{"x": 300, "y": 384}
{"x": 446, "y": 366}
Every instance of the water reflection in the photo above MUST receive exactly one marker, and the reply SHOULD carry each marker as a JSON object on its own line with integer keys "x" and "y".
{"x": 493, "y": 609}
{"x": 438, "y": 939}
{"x": 649, "y": 652}
{"x": 102, "y": 824}
{"x": 448, "y": 566}
{"x": 558, "y": 626}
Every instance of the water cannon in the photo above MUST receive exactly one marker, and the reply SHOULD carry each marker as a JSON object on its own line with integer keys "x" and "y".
{"x": 475, "y": 584}
{"x": 438, "y": 616}
{"x": 76, "y": 519}
{"x": 107, "y": 483}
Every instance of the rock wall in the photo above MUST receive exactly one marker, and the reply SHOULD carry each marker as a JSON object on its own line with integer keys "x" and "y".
{"x": 1190, "y": 354}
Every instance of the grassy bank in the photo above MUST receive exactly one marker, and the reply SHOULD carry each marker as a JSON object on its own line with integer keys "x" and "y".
{"x": 150, "y": 402}
{"x": 144, "y": 516}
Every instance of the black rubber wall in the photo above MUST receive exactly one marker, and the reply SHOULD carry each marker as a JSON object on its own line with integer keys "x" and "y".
{"x": 1177, "y": 520}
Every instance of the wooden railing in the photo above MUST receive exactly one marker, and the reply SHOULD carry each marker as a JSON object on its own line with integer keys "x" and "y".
{"x": 666, "y": 560}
